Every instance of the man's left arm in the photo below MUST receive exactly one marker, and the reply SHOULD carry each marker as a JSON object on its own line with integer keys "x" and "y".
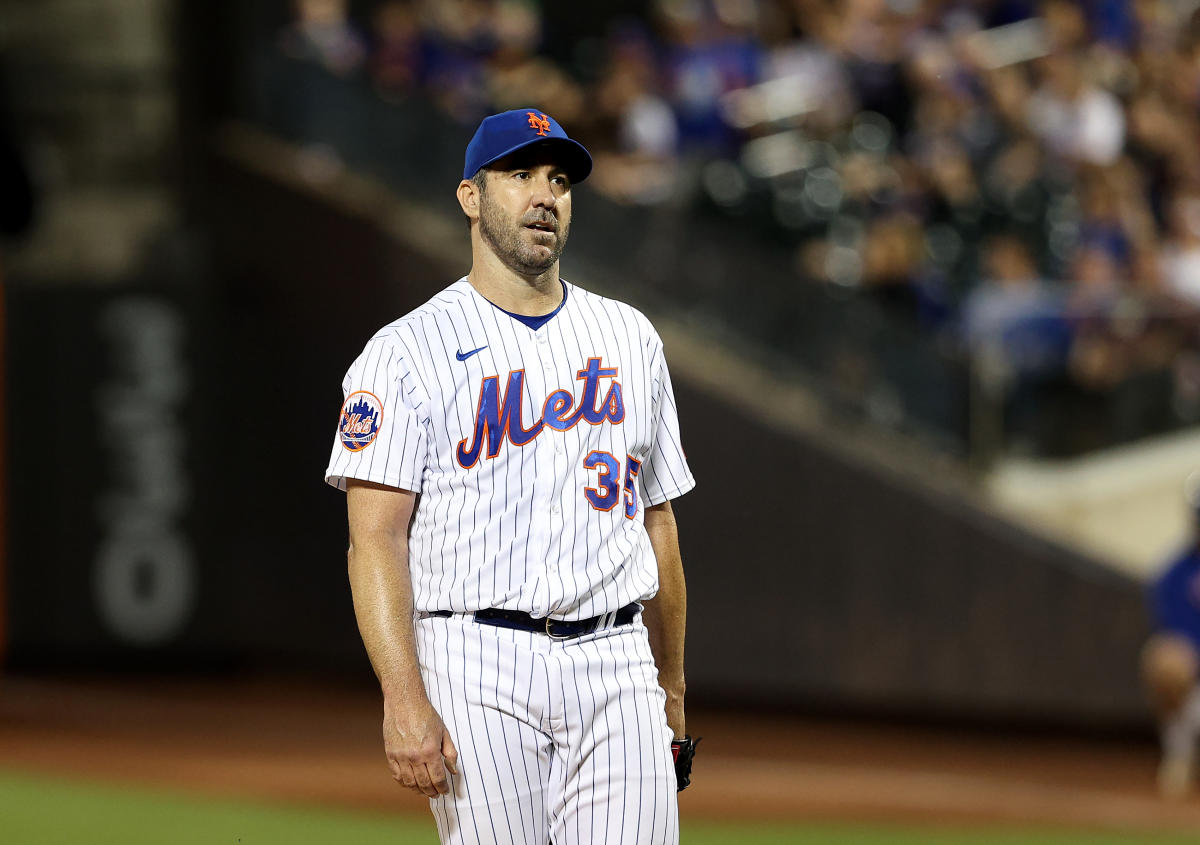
{"x": 665, "y": 615}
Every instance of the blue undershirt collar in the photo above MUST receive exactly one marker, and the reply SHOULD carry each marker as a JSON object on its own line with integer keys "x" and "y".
{"x": 537, "y": 322}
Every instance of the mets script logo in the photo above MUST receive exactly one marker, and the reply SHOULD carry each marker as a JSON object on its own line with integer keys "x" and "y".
{"x": 362, "y": 414}
{"x": 541, "y": 124}
{"x": 499, "y": 413}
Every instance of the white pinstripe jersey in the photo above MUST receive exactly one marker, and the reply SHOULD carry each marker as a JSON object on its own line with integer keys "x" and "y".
{"x": 534, "y": 452}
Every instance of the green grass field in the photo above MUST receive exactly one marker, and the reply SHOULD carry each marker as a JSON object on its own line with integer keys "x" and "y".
{"x": 45, "y": 811}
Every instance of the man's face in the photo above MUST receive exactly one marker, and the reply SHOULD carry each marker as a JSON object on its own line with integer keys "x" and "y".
{"x": 525, "y": 211}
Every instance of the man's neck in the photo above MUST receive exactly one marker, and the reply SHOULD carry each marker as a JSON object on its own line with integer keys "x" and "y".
{"x": 530, "y": 296}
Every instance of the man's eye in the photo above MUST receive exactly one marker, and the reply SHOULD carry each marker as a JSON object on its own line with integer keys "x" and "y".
{"x": 521, "y": 174}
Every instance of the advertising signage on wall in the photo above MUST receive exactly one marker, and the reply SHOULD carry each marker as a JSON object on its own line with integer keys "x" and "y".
{"x": 144, "y": 569}
{"x": 104, "y": 463}
{"x": 166, "y": 503}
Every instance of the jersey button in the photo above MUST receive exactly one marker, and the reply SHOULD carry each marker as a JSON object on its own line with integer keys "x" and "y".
{"x": 554, "y": 508}
{"x": 542, "y": 339}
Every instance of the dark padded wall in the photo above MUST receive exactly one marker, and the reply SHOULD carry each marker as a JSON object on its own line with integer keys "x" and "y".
{"x": 812, "y": 577}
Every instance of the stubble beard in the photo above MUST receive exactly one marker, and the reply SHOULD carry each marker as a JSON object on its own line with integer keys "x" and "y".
{"x": 504, "y": 236}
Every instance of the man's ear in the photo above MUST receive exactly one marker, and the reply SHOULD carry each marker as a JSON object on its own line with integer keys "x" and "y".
{"x": 468, "y": 198}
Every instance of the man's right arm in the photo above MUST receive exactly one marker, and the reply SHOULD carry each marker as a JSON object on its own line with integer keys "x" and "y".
{"x": 418, "y": 747}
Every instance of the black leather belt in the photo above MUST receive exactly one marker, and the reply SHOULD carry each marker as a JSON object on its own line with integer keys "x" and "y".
{"x": 558, "y": 629}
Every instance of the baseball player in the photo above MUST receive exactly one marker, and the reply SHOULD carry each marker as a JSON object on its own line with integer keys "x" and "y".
{"x": 1171, "y": 659}
{"x": 509, "y": 452}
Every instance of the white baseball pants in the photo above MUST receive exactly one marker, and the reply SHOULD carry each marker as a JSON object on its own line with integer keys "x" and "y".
{"x": 559, "y": 741}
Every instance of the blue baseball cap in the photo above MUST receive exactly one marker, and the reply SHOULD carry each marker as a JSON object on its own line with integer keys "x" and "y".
{"x": 505, "y": 133}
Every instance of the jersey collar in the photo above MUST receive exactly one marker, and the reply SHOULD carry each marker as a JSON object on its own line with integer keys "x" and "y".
{"x": 533, "y": 323}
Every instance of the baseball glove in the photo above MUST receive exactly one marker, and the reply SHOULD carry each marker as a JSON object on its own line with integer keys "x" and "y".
{"x": 683, "y": 750}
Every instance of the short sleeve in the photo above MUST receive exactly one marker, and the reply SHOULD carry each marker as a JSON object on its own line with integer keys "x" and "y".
{"x": 665, "y": 473}
{"x": 381, "y": 430}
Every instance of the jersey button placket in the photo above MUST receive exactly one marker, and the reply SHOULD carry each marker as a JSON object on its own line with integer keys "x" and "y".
{"x": 545, "y": 487}
{"x": 551, "y": 384}
{"x": 550, "y": 373}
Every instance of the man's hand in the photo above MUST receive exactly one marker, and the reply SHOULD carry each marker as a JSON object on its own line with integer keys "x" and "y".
{"x": 418, "y": 747}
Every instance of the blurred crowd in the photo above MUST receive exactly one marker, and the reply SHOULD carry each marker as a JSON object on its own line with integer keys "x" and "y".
{"x": 1022, "y": 176}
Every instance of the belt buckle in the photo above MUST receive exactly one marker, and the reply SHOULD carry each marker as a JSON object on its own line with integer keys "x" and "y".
{"x": 554, "y": 636}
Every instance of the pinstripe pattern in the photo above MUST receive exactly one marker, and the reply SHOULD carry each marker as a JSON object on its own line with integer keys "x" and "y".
{"x": 516, "y": 531}
{"x": 559, "y": 742}
{"x": 563, "y": 743}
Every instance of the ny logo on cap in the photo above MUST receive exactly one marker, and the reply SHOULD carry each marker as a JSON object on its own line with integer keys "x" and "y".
{"x": 541, "y": 124}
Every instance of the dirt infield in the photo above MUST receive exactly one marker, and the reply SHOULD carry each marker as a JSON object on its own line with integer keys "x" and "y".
{"x": 296, "y": 741}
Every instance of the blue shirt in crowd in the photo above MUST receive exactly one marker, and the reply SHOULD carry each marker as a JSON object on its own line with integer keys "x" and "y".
{"x": 1175, "y": 597}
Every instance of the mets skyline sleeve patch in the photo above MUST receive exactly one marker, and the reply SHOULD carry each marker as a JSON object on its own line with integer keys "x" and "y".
{"x": 379, "y": 435}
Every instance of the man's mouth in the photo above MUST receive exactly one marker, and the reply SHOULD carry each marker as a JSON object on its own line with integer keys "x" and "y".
{"x": 539, "y": 226}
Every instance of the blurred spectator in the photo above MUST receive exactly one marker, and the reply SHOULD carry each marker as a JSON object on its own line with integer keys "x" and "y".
{"x": 1181, "y": 251}
{"x": 1171, "y": 659}
{"x": 1020, "y": 188}
{"x": 954, "y": 200}
{"x": 1013, "y": 313}
{"x": 800, "y": 62}
{"x": 322, "y": 33}
{"x": 1096, "y": 278}
{"x": 1102, "y": 228}
{"x": 635, "y": 162}
{"x": 891, "y": 256}
{"x": 870, "y": 36}
{"x": 396, "y": 49}
{"x": 459, "y": 35}
{"x": 707, "y": 56}
{"x": 1076, "y": 118}
{"x": 1066, "y": 23}
{"x": 516, "y": 75}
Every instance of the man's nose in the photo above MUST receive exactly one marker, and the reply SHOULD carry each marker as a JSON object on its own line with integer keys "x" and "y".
{"x": 543, "y": 193}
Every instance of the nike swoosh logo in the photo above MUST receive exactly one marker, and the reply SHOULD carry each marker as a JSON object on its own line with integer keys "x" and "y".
{"x": 462, "y": 356}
